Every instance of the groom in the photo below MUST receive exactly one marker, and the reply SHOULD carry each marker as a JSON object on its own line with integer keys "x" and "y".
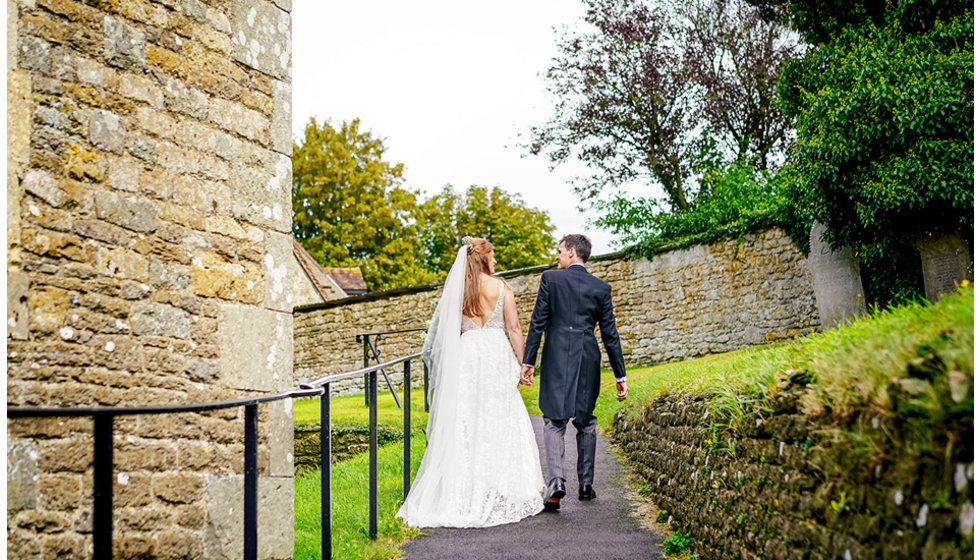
{"x": 570, "y": 303}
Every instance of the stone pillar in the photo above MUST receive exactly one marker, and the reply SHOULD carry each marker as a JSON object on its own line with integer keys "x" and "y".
{"x": 946, "y": 261}
{"x": 148, "y": 250}
{"x": 836, "y": 281}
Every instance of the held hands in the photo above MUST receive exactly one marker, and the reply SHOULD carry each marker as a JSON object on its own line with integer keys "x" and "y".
{"x": 527, "y": 375}
{"x": 622, "y": 390}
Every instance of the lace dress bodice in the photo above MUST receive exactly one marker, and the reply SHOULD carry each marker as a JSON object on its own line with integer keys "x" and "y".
{"x": 496, "y": 320}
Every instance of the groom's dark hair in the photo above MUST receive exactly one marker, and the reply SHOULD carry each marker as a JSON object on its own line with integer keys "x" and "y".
{"x": 579, "y": 242}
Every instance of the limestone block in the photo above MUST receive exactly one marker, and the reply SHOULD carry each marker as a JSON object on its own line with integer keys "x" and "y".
{"x": 202, "y": 371}
{"x": 59, "y": 492}
{"x": 18, "y": 284}
{"x": 144, "y": 149}
{"x": 261, "y": 187}
{"x": 141, "y": 88}
{"x": 169, "y": 275}
{"x": 261, "y": 37}
{"x": 35, "y": 54}
{"x": 184, "y": 99}
{"x": 224, "y": 530}
{"x": 48, "y": 308}
{"x": 278, "y": 260}
{"x": 105, "y": 131}
{"x": 256, "y": 348}
{"x": 129, "y": 212}
{"x": 176, "y": 543}
{"x": 122, "y": 263}
{"x": 125, "y": 45}
{"x": 282, "y": 112}
{"x": 155, "y": 122}
{"x": 224, "y": 146}
{"x": 22, "y": 475}
{"x": 281, "y": 429}
{"x": 213, "y": 276}
{"x": 160, "y": 320}
{"x": 90, "y": 72}
{"x": 178, "y": 488}
{"x": 102, "y": 231}
{"x": 235, "y": 117}
{"x": 43, "y": 185}
{"x": 276, "y": 520}
{"x": 195, "y": 135}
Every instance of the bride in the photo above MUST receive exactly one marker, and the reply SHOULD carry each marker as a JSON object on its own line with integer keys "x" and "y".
{"x": 481, "y": 466}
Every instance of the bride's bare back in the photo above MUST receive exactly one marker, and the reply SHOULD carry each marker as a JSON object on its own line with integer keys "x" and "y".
{"x": 489, "y": 292}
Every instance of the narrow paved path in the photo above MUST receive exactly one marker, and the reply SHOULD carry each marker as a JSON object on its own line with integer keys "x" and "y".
{"x": 601, "y": 528}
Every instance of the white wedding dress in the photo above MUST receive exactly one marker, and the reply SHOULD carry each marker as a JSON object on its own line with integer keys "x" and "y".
{"x": 481, "y": 469}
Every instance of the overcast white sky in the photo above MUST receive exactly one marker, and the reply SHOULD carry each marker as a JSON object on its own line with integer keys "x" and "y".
{"x": 447, "y": 84}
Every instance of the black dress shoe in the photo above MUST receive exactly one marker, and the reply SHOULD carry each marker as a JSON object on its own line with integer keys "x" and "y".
{"x": 552, "y": 498}
{"x": 585, "y": 492}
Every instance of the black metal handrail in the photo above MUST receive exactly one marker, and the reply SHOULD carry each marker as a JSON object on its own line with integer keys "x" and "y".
{"x": 103, "y": 450}
{"x": 371, "y": 349}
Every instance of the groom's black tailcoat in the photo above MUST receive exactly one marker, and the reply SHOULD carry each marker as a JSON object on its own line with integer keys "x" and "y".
{"x": 570, "y": 303}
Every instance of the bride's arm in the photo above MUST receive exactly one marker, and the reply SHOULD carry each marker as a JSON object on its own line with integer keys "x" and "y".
{"x": 512, "y": 324}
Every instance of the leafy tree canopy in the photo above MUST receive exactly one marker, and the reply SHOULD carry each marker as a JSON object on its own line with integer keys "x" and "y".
{"x": 349, "y": 208}
{"x": 884, "y": 111}
{"x": 522, "y": 236}
{"x": 650, "y": 90}
{"x": 820, "y": 20}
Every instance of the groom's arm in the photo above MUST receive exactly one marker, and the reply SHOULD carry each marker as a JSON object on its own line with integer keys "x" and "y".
{"x": 610, "y": 338}
{"x": 539, "y": 320}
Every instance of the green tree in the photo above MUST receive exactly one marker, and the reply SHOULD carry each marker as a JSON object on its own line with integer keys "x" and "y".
{"x": 885, "y": 121}
{"x": 522, "y": 236}
{"x": 651, "y": 90}
{"x": 349, "y": 208}
{"x": 883, "y": 105}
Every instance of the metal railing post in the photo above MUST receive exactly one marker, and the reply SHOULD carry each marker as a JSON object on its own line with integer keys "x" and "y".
{"x": 407, "y": 434}
{"x": 373, "y": 392}
{"x": 102, "y": 485}
{"x": 425, "y": 383}
{"x": 326, "y": 513}
{"x": 367, "y": 344}
{"x": 251, "y": 481}
{"x": 377, "y": 357}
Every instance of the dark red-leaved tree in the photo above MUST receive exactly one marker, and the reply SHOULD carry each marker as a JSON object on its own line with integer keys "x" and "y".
{"x": 652, "y": 90}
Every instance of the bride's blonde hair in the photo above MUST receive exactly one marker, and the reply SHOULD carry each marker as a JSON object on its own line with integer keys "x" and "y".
{"x": 477, "y": 264}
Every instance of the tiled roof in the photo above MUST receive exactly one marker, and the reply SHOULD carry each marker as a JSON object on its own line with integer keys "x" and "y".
{"x": 350, "y": 280}
{"x": 321, "y": 281}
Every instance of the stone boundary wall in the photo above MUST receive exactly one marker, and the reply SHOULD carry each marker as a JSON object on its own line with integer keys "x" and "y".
{"x": 786, "y": 486}
{"x": 677, "y": 305}
{"x": 148, "y": 254}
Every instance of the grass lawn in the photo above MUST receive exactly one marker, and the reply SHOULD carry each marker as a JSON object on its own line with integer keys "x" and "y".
{"x": 350, "y": 507}
{"x": 350, "y": 410}
{"x": 349, "y": 485}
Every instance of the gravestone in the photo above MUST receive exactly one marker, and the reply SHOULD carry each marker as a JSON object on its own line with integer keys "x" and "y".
{"x": 836, "y": 281}
{"x": 946, "y": 261}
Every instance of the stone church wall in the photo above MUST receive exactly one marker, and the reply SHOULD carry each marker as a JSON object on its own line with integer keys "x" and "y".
{"x": 677, "y": 305}
{"x": 148, "y": 220}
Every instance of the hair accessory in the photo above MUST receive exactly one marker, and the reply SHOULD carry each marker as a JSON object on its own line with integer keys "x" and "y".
{"x": 468, "y": 241}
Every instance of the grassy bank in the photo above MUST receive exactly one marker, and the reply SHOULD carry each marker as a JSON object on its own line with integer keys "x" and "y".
{"x": 847, "y": 368}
